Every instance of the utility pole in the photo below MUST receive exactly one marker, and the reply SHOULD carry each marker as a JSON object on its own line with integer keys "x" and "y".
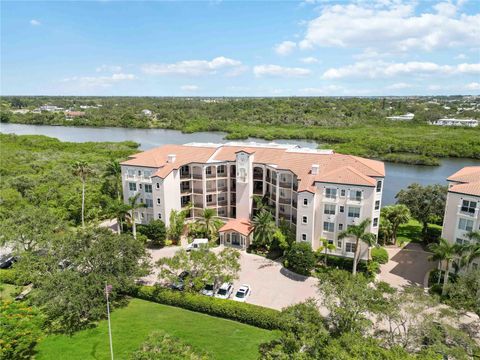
{"x": 108, "y": 289}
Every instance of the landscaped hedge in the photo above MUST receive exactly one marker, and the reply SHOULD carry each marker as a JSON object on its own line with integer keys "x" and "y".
{"x": 246, "y": 313}
{"x": 379, "y": 255}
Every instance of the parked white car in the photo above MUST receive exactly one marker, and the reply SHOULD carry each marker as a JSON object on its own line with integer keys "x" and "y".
{"x": 224, "y": 291}
{"x": 196, "y": 244}
{"x": 242, "y": 293}
{"x": 208, "y": 290}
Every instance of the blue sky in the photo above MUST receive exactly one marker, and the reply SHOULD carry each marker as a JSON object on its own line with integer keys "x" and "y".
{"x": 242, "y": 48}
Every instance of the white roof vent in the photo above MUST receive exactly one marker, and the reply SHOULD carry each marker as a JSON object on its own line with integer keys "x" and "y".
{"x": 315, "y": 169}
{"x": 171, "y": 158}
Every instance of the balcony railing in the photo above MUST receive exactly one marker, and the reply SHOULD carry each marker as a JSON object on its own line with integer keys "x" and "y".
{"x": 185, "y": 175}
{"x": 257, "y": 176}
{"x": 197, "y": 176}
{"x": 198, "y": 190}
{"x": 222, "y": 188}
{"x": 185, "y": 190}
{"x": 285, "y": 184}
{"x": 222, "y": 202}
{"x": 212, "y": 175}
{"x": 211, "y": 189}
{"x": 284, "y": 201}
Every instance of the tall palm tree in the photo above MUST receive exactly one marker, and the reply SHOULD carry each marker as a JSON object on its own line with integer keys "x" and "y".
{"x": 132, "y": 206}
{"x": 114, "y": 171}
{"x": 263, "y": 228}
{"x": 444, "y": 252}
{"x": 82, "y": 170}
{"x": 325, "y": 247}
{"x": 210, "y": 221}
{"x": 120, "y": 211}
{"x": 471, "y": 251}
{"x": 400, "y": 214}
{"x": 360, "y": 234}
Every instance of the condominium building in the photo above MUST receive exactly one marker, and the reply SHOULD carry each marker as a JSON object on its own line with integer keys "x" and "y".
{"x": 318, "y": 192}
{"x": 455, "y": 122}
{"x": 462, "y": 211}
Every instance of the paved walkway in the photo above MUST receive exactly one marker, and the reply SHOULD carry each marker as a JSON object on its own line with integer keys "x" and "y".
{"x": 407, "y": 266}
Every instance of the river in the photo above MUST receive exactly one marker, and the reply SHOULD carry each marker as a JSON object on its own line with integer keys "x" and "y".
{"x": 398, "y": 176}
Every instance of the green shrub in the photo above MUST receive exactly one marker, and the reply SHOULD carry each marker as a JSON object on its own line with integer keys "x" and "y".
{"x": 245, "y": 313}
{"x": 162, "y": 346}
{"x": 8, "y": 276}
{"x": 433, "y": 233}
{"x": 300, "y": 258}
{"x": 155, "y": 231}
{"x": 380, "y": 255}
{"x": 373, "y": 268}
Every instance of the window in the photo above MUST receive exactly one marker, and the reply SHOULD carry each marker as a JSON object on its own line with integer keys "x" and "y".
{"x": 304, "y": 237}
{"x": 147, "y": 174}
{"x": 465, "y": 224}
{"x": 342, "y": 208}
{"x": 329, "y": 209}
{"x": 140, "y": 186}
{"x": 330, "y": 241}
{"x": 328, "y": 226}
{"x": 331, "y": 193}
{"x": 355, "y": 195}
{"x": 462, "y": 241}
{"x": 158, "y": 185}
{"x": 139, "y": 173}
{"x": 131, "y": 173}
{"x": 340, "y": 227}
{"x": 377, "y": 204}
{"x": 305, "y": 202}
{"x": 375, "y": 222}
{"x": 209, "y": 198}
{"x": 354, "y": 211}
{"x": 339, "y": 244}
{"x": 149, "y": 203}
{"x": 342, "y": 192}
{"x": 158, "y": 201}
{"x": 132, "y": 186}
{"x": 304, "y": 219}
{"x": 221, "y": 169}
{"x": 208, "y": 170}
{"x": 350, "y": 247}
{"x": 148, "y": 188}
{"x": 159, "y": 216}
{"x": 379, "y": 185}
{"x": 468, "y": 206}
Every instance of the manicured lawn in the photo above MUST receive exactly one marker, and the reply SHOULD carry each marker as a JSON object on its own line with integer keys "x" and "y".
{"x": 222, "y": 339}
{"x": 409, "y": 232}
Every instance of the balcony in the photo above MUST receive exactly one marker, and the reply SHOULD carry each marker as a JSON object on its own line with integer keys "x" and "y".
{"x": 223, "y": 202}
{"x": 198, "y": 190}
{"x": 285, "y": 184}
{"x": 197, "y": 176}
{"x": 185, "y": 175}
{"x": 185, "y": 190}
{"x": 211, "y": 176}
{"x": 284, "y": 201}
{"x": 211, "y": 189}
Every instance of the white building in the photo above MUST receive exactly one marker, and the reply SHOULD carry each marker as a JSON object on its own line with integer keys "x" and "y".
{"x": 455, "y": 122}
{"x": 50, "y": 108}
{"x": 463, "y": 206}
{"x": 318, "y": 192}
{"x": 147, "y": 112}
{"x": 406, "y": 117}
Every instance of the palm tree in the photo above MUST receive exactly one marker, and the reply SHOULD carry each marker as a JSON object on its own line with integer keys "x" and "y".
{"x": 443, "y": 251}
{"x": 120, "y": 211}
{"x": 471, "y": 251}
{"x": 210, "y": 221}
{"x": 358, "y": 232}
{"x": 326, "y": 246}
{"x": 82, "y": 170}
{"x": 263, "y": 228}
{"x": 132, "y": 206}
{"x": 400, "y": 214}
{"x": 114, "y": 171}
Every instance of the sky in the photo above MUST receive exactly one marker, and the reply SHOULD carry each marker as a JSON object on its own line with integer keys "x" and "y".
{"x": 240, "y": 48}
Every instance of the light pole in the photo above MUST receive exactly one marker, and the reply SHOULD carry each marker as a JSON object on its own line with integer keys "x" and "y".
{"x": 108, "y": 289}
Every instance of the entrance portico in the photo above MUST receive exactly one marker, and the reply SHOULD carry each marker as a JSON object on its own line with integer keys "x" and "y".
{"x": 236, "y": 233}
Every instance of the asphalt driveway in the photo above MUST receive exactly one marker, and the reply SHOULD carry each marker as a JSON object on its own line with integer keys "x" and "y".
{"x": 272, "y": 285}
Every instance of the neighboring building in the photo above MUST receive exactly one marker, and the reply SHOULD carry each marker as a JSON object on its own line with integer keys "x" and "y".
{"x": 406, "y": 117}
{"x": 70, "y": 115}
{"x": 319, "y": 193}
{"x": 147, "y": 112}
{"x": 463, "y": 206}
{"x": 49, "y": 108}
{"x": 455, "y": 122}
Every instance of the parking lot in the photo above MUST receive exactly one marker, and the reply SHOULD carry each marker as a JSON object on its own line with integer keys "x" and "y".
{"x": 272, "y": 285}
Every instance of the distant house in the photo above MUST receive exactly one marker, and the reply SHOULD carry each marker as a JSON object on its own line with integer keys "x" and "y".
{"x": 50, "y": 108}
{"x": 70, "y": 115}
{"x": 406, "y": 117}
{"x": 455, "y": 122}
{"x": 147, "y": 112}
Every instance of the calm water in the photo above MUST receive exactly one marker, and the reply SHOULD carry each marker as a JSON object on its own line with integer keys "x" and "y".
{"x": 398, "y": 175}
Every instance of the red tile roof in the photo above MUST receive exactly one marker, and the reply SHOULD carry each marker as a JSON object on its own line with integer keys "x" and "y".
{"x": 467, "y": 179}
{"x": 241, "y": 226}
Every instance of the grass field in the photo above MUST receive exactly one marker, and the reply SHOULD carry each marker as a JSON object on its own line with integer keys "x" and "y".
{"x": 222, "y": 339}
{"x": 7, "y": 291}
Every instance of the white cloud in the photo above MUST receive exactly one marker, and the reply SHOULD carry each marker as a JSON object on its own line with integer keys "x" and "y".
{"x": 323, "y": 90}
{"x": 461, "y": 57}
{"x": 99, "y": 81}
{"x": 391, "y": 25}
{"x": 276, "y": 70}
{"x": 381, "y": 69}
{"x": 310, "y": 60}
{"x": 399, "y": 86}
{"x": 34, "y": 22}
{"x": 192, "y": 67}
{"x": 285, "y": 47}
{"x": 109, "y": 68}
{"x": 473, "y": 86}
{"x": 189, "y": 87}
